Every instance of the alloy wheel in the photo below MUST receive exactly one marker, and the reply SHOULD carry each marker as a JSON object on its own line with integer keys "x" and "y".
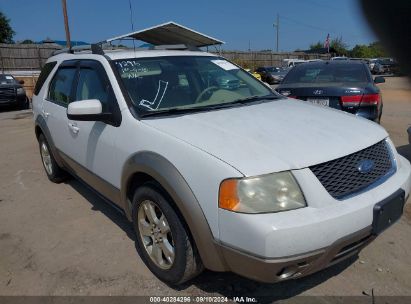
{"x": 156, "y": 234}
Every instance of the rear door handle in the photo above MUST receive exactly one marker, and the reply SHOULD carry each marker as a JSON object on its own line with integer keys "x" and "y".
{"x": 73, "y": 127}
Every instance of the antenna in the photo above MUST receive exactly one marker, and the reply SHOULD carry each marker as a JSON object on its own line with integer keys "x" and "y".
{"x": 132, "y": 24}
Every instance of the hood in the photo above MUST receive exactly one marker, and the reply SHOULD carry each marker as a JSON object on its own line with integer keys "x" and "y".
{"x": 275, "y": 136}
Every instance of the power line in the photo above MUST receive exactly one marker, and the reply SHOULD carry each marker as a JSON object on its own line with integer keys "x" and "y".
{"x": 314, "y": 27}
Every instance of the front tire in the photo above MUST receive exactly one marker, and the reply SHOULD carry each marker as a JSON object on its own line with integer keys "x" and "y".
{"x": 53, "y": 171}
{"x": 162, "y": 240}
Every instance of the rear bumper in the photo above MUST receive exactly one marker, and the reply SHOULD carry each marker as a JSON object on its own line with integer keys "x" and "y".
{"x": 371, "y": 112}
{"x": 292, "y": 267}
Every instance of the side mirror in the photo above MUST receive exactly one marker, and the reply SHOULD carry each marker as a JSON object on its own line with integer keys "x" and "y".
{"x": 21, "y": 81}
{"x": 86, "y": 110}
{"x": 379, "y": 79}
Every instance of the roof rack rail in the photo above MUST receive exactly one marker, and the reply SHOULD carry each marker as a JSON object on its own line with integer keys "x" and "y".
{"x": 95, "y": 48}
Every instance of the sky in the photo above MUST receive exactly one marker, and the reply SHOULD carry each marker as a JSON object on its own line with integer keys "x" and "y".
{"x": 241, "y": 24}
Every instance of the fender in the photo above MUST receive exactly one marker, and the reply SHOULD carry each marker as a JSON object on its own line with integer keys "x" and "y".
{"x": 41, "y": 123}
{"x": 165, "y": 173}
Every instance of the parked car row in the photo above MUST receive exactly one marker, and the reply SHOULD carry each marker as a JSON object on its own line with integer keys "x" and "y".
{"x": 386, "y": 66}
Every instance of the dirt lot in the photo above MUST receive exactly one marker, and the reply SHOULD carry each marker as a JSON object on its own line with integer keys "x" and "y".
{"x": 64, "y": 240}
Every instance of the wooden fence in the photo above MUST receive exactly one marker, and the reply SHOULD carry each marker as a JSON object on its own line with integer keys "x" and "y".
{"x": 24, "y": 61}
{"x": 27, "y": 57}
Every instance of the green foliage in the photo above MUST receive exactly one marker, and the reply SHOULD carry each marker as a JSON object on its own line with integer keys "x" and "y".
{"x": 316, "y": 46}
{"x": 373, "y": 50}
{"x": 6, "y": 32}
{"x": 340, "y": 47}
{"x": 27, "y": 41}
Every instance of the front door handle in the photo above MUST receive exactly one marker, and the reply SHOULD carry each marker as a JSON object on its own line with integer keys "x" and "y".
{"x": 73, "y": 127}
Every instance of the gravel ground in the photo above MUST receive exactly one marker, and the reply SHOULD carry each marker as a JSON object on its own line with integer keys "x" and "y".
{"x": 64, "y": 240}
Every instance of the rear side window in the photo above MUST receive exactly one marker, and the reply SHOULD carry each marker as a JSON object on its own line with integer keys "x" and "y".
{"x": 45, "y": 72}
{"x": 61, "y": 85}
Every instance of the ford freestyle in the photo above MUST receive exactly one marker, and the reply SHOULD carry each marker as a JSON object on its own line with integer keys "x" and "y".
{"x": 212, "y": 168}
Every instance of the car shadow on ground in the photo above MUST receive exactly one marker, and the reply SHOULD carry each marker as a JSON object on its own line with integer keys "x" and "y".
{"x": 231, "y": 285}
{"x": 226, "y": 284}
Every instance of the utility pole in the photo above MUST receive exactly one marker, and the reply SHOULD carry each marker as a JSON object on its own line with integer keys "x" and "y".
{"x": 277, "y": 26}
{"x": 66, "y": 25}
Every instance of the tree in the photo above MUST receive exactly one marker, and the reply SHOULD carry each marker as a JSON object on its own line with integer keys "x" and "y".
{"x": 6, "y": 32}
{"x": 27, "y": 41}
{"x": 373, "y": 50}
{"x": 340, "y": 47}
{"x": 316, "y": 46}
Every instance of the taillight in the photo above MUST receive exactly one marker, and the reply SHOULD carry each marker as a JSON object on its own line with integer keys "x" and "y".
{"x": 360, "y": 100}
{"x": 292, "y": 96}
{"x": 370, "y": 99}
{"x": 351, "y": 100}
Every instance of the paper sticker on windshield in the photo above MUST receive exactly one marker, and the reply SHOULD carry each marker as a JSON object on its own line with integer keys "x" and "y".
{"x": 224, "y": 64}
{"x": 9, "y": 77}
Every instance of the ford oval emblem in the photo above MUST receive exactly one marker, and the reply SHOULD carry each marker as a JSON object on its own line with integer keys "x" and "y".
{"x": 365, "y": 166}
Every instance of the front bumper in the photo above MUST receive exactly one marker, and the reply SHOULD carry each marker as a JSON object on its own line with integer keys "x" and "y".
{"x": 279, "y": 246}
{"x": 14, "y": 100}
{"x": 275, "y": 270}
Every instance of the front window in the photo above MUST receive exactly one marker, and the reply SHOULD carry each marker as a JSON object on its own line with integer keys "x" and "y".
{"x": 186, "y": 82}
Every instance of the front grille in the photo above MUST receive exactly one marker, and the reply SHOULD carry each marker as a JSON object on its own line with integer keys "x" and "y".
{"x": 341, "y": 177}
{"x": 7, "y": 94}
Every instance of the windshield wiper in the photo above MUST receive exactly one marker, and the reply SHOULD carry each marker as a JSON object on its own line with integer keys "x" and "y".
{"x": 255, "y": 98}
{"x": 185, "y": 110}
{"x": 238, "y": 102}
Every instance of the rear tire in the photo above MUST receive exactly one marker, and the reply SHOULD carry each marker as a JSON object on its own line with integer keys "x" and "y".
{"x": 53, "y": 171}
{"x": 162, "y": 240}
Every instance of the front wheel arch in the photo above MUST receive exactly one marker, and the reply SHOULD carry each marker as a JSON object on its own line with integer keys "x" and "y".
{"x": 145, "y": 166}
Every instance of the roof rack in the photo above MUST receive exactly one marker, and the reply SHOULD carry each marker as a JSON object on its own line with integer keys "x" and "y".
{"x": 95, "y": 48}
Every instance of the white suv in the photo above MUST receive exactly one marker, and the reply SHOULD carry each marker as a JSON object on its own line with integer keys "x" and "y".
{"x": 213, "y": 168}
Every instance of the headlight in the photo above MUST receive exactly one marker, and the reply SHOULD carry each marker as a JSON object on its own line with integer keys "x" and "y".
{"x": 267, "y": 193}
{"x": 20, "y": 91}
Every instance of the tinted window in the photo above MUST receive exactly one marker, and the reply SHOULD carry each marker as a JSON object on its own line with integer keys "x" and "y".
{"x": 60, "y": 87}
{"x": 45, "y": 72}
{"x": 326, "y": 73}
{"x": 91, "y": 86}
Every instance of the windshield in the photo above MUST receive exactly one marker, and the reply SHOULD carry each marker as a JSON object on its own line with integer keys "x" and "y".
{"x": 7, "y": 79}
{"x": 187, "y": 82}
{"x": 326, "y": 73}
